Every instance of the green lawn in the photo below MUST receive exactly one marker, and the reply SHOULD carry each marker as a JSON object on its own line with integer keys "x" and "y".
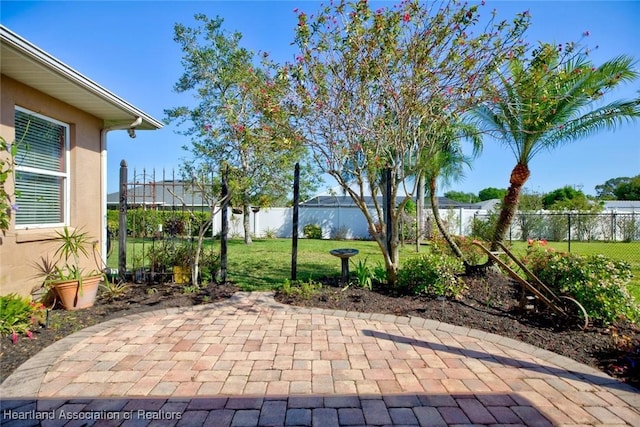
{"x": 267, "y": 262}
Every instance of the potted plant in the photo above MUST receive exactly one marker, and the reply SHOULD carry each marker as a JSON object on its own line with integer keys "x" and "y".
{"x": 74, "y": 287}
{"x": 182, "y": 256}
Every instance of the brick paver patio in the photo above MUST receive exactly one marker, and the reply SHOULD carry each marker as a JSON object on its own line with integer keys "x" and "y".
{"x": 250, "y": 361}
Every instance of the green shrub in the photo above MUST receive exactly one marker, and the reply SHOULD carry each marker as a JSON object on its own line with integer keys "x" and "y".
{"x": 379, "y": 273}
{"x": 482, "y": 226}
{"x": 597, "y": 282}
{"x": 112, "y": 290}
{"x": 19, "y": 315}
{"x": 363, "y": 273}
{"x": 472, "y": 253}
{"x": 147, "y": 223}
{"x": 270, "y": 233}
{"x": 304, "y": 289}
{"x": 209, "y": 265}
{"x": 433, "y": 274}
{"x": 159, "y": 256}
{"x": 312, "y": 231}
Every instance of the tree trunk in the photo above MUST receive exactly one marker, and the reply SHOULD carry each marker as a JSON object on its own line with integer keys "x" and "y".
{"x": 246, "y": 223}
{"x": 436, "y": 214}
{"x": 195, "y": 267}
{"x": 420, "y": 212}
{"x": 519, "y": 176}
{"x": 390, "y": 254}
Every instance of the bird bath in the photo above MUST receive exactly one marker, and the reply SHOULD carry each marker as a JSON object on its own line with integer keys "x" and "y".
{"x": 344, "y": 254}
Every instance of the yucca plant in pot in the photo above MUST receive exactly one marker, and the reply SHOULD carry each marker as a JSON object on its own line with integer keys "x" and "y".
{"x": 75, "y": 288}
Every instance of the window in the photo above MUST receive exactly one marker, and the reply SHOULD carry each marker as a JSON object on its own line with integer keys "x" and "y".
{"x": 41, "y": 176}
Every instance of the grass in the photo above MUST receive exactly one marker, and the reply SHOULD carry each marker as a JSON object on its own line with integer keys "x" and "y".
{"x": 266, "y": 264}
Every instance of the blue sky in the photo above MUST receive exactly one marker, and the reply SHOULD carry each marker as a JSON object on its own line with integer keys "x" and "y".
{"x": 128, "y": 47}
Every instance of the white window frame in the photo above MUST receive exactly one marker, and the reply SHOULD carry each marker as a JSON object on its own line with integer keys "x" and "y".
{"x": 64, "y": 174}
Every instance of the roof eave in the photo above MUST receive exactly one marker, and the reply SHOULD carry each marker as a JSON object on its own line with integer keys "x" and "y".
{"x": 41, "y": 58}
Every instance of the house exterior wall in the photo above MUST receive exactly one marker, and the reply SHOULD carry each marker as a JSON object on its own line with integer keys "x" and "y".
{"x": 21, "y": 249}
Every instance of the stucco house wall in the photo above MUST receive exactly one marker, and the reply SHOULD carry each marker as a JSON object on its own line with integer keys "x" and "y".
{"x": 48, "y": 91}
{"x": 20, "y": 245}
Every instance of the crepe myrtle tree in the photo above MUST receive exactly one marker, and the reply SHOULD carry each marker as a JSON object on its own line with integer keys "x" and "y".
{"x": 238, "y": 119}
{"x": 201, "y": 182}
{"x": 550, "y": 98}
{"x": 365, "y": 83}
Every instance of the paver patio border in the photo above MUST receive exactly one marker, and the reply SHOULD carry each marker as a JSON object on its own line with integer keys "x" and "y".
{"x": 26, "y": 381}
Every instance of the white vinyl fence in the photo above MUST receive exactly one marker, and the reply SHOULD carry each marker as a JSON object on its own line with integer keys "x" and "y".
{"x": 348, "y": 222}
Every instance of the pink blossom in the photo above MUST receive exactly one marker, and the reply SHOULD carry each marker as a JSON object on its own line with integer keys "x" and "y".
{"x": 14, "y": 337}
{"x": 30, "y": 334}
{"x": 406, "y": 17}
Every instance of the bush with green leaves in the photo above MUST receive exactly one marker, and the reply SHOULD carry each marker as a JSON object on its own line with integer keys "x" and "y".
{"x": 379, "y": 273}
{"x": 147, "y": 222}
{"x": 312, "y": 231}
{"x": 6, "y": 169}
{"x": 597, "y": 282}
{"x": 305, "y": 290}
{"x": 19, "y": 316}
{"x": 363, "y": 273}
{"x": 111, "y": 290}
{"x": 209, "y": 265}
{"x": 482, "y": 226}
{"x": 433, "y": 274}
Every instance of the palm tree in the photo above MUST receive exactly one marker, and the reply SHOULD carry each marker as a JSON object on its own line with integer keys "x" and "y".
{"x": 445, "y": 160}
{"x": 549, "y": 100}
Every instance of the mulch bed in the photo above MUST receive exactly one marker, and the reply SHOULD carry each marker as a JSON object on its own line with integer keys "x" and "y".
{"x": 491, "y": 304}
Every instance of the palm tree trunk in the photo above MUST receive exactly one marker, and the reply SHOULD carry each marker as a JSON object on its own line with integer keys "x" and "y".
{"x": 436, "y": 214}
{"x": 420, "y": 212}
{"x": 519, "y": 176}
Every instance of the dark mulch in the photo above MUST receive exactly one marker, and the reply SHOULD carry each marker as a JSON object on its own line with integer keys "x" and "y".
{"x": 490, "y": 305}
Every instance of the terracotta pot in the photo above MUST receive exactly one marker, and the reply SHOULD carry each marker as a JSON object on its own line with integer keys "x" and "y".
{"x": 181, "y": 274}
{"x": 70, "y": 295}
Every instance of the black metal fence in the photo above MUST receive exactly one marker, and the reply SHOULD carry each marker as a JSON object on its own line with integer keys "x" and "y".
{"x": 568, "y": 226}
{"x": 153, "y": 221}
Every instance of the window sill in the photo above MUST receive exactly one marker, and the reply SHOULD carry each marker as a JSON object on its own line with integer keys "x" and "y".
{"x": 36, "y": 235}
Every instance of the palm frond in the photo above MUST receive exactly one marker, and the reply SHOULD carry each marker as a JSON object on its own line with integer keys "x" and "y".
{"x": 549, "y": 101}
